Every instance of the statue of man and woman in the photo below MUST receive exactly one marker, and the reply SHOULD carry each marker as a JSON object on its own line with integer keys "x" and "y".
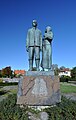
{"x": 35, "y": 44}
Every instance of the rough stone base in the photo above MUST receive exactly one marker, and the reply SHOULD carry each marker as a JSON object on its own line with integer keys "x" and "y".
{"x": 39, "y": 89}
{"x": 40, "y": 116}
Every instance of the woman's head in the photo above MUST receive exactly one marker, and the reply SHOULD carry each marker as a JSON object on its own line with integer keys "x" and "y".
{"x": 48, "y": 29}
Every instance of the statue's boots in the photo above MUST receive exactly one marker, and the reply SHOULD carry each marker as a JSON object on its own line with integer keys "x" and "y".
{"x": 37, "y": 64}
{"x": 30, "y": 65}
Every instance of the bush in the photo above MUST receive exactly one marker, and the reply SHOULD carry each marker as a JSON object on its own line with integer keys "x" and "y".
{"x": 73, "y": 73}
{"x": 73, "y": 79}
{"x": 10, "y": 111}
{"x": 64, "y": 78}
{"x": 66, "y": 110}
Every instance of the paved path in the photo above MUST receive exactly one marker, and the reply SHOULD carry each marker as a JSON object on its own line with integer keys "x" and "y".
{"x": 63, "y": 83}
{"x": 71, "y": 96}
{"x": 7, "y": 88}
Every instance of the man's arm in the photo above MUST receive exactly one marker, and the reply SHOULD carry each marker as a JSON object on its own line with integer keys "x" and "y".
{"x": 27, "y": 41}
{"x": 40, "y": 40}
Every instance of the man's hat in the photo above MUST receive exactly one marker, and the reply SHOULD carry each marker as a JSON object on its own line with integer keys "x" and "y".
{"x": 34, "y": 21}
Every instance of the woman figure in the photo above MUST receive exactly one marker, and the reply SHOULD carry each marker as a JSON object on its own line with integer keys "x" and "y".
{"x": 47, "y": 49}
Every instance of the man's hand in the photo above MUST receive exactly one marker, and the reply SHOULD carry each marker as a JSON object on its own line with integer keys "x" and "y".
{"x": 27, "y": 49}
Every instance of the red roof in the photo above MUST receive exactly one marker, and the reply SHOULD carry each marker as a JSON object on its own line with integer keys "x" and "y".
{"x": 65, "y": 69}
{"x": 19, "y": 72}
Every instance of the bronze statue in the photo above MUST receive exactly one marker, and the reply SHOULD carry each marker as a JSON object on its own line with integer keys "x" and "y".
{"x": 47, "y": 49}
{"x": 34, "y": 45}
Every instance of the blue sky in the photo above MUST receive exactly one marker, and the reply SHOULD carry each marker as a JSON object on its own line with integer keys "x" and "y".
{"x": 15, "y": 19}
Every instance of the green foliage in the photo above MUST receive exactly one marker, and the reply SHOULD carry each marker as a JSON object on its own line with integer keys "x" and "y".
{"x": 62, "y": 68}
{"x": 55, "y": 68}
{"x": 66, "y": 110}
{"x": 10, "y": 111}
{"x": 56, "y": 71}
{"x": 0, "y": 74}
{"x": 1, "y": 80}
{"x": 6, "y": 71}
{"x": 64, "y": 78}
{"x": 73, "y": 74}
{"x": 73, "y": 79}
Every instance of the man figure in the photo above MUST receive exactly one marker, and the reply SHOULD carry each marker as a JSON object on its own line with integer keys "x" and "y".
{"x": 34, "y": 45}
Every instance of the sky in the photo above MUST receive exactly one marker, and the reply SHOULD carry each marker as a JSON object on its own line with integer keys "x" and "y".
{"x": 16, "y": 18}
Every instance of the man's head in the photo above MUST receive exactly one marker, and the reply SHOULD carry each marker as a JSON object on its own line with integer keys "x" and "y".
{"x": 34, "y": 23}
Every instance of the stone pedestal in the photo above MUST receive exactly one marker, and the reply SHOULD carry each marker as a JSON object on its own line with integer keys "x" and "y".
{"x": 39, "y": 89}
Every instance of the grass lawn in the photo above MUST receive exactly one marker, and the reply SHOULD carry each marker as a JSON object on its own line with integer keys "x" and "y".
{"x": 66, "y": 88}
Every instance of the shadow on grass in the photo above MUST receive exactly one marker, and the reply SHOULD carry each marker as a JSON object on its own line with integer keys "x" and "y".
{"x": 8, "y": 84}
{"x": 3, "y": 92}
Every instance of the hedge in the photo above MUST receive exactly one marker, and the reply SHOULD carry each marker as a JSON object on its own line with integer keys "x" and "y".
{"x": 66, "y": 110}
{"x": 9, "y": 110}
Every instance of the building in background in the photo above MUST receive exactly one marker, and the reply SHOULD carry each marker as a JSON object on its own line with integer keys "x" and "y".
{"x": 65, "y": 72}
{"x": 19, "y": 72}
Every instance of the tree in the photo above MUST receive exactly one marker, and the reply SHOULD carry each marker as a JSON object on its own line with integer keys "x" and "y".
{"x": 55, "y": 68}
{"x": 0, "y": 74}
{"x": 6, "y": 72}
{"x": 62, "y": 68}
{"x": 73, "y": 73}
{"x": 64, "y": 78}
{"x": 56, "y": 71}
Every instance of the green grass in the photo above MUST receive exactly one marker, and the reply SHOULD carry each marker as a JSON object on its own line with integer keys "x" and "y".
{"x": 14, "y": 91}
{"x": 65, "y": 88}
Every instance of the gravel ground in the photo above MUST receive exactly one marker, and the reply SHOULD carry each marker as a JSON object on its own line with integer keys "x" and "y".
{"x": 71, "y": 96}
